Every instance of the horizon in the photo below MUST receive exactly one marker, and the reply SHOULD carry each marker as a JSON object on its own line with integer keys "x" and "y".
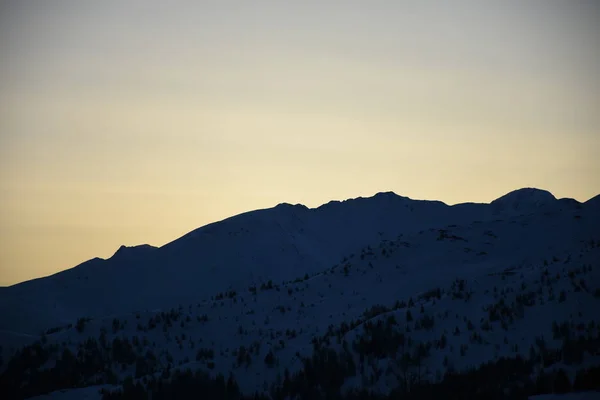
{"x": 142, "y": 244}
{"x": 136, "y": 123}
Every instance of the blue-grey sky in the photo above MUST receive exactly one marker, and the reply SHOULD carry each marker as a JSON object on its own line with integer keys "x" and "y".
{"x": 126, "y": 122}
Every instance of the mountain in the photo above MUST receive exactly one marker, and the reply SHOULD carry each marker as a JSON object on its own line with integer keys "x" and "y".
{"x": 280, "y": 243}
{"x": 525, "y": 199}
{"x": 594, "y": 202}
{"x": 273, "y": 281}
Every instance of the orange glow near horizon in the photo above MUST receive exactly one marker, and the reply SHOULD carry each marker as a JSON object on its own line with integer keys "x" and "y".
{"x": 129, "y": 124}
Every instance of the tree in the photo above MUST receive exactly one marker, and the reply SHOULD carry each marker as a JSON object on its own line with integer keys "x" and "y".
{"x": 80, "y": 325}
{"x": 563, "y": 297}
{"x": 141, "y": 367}
{"x": 443, "y": 341}
{"x": 270, "y": 359}
{"x": 115, "y": 325}
{"x": 561, "y": 382}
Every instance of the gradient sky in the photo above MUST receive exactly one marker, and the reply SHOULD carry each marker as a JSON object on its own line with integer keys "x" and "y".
{"x": 137, "y": 121}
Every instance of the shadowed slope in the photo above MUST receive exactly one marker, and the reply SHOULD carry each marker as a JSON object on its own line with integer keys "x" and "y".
{"x": 279, "y": 243}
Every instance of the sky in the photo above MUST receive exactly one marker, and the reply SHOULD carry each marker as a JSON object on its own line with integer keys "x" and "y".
{"x": 129, "y": 122}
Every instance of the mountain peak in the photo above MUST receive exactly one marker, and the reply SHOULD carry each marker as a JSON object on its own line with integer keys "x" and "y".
{"x": 524, "y": 198}
{"x": 386, "y": 194}
{"x": 288, "y": 205}
{"x": 129, "y": 251}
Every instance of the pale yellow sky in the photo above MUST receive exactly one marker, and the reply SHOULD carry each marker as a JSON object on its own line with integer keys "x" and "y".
{"x": 136, "y": 122}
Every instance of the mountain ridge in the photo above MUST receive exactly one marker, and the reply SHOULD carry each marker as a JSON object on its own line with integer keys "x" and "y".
{"x": 259, "y": 292}
{"x": 516, "y": 197}
{"x": 278, "y": 243}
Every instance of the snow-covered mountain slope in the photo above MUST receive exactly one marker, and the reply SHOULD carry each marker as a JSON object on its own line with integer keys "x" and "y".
{"x": 255, "y": 294}
{"x": 280, "y": 243}
{"x": 527, "y": 199}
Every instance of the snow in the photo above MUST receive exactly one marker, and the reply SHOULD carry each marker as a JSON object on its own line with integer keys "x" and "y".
{"x": 524, "y": 199}
{"x": 87, "y": 393}
{"x": 568, "y": 396}
{"x": 394, "y": 248}
{"x": 280, "y": 244}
